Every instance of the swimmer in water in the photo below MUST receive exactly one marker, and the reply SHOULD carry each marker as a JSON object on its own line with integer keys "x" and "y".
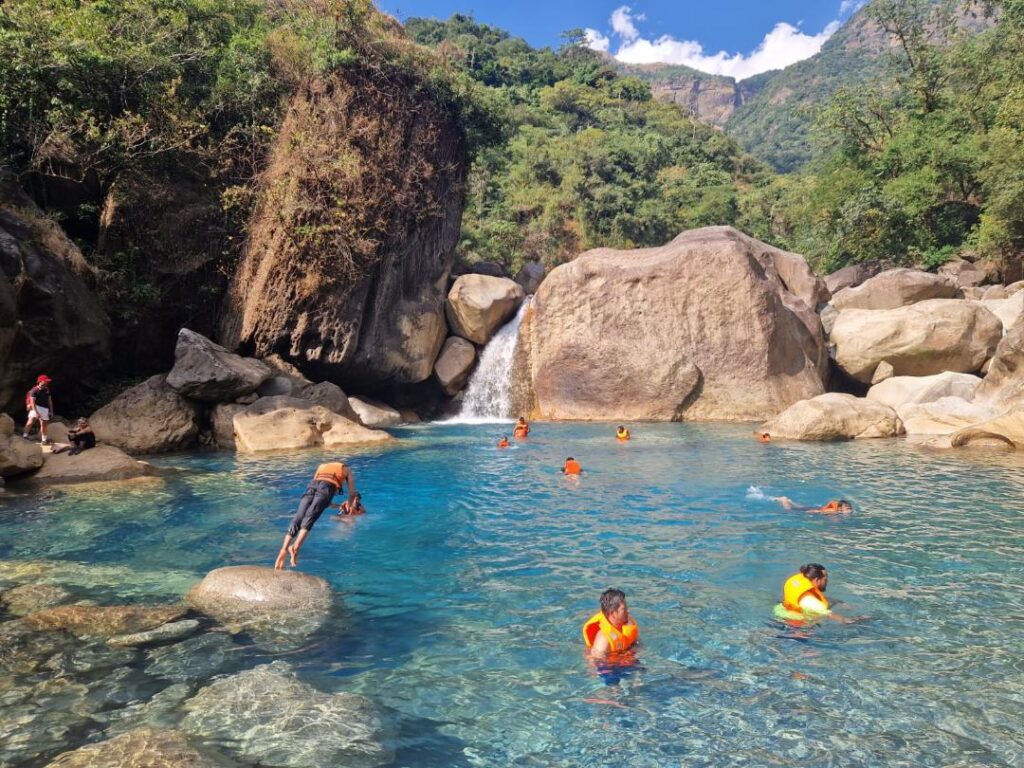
{"x": 522, "y": 429}
{"x": 834, "y": 507}
{"x": 764, "y": 437}
{"x": 610, "y": 630}
{"x": 351, "y": 508}
{"x": 503, "y": 443}
{"x": 571, "y": 467}
{"x": 622, "y": 434}
{"x": 804, "y": 593}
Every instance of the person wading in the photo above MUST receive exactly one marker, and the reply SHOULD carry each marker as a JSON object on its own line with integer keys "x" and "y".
{"x": 610, "y": 630}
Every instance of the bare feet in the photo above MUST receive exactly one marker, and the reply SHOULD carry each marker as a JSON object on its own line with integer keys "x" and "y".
{"x": 294, "y": 555}
{"x": 279, "y": 563}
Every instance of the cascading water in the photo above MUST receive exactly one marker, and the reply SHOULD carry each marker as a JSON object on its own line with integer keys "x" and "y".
{"x": 489, "y": 392}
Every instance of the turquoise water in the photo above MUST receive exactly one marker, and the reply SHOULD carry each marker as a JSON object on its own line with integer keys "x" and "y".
{"x": 465, "y": 586}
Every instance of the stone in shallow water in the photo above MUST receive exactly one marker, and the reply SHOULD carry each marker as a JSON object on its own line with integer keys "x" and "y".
{"x": 175, "y": 630}
{"x": 23, "y": 651}
{"x": 104, "y": 620}
{"x": 197, "y": 658}
{"x": 29, "y": 598}
{"x": 268, "y": 716}
{"x": 162, "y": 710}
{"x": 142, "y": 748}
{"x": 124, "y": 582}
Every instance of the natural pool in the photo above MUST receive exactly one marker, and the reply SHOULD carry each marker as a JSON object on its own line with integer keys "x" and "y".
{"x": 465, "y": 586}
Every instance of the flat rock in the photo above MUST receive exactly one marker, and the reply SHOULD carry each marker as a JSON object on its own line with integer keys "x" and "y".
{"x": 454, "y": 364}
{"x": 141, "y": 748}
{"x": 267, "y": 716}
{"x": 207, "y": 371}
{"x": 896, "y": 288}
{"x": 104, "y": 620}
{"x": 899, "y": 391}
{"x": 375, "y": 414}
{"x": 100, "y": 464}
{"x": 834, "y": 416}
{"x": 148, "y": 418}
{"x": 175, "y": 630}
{"x": 925, "y": 338}
{"x": 478, "y": 305}
{"x": 287, "y": 423}
{"x": 29, "y": 598}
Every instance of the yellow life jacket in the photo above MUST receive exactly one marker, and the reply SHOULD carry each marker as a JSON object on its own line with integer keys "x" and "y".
{"x": 333, "y": 473}
{"x": 618, "y": 640}
{"x": 622, "y": 434}
{"x": 796, "y": 587}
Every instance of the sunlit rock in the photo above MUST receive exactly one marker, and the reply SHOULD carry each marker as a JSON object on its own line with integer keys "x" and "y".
{"x": 142, "y": 748}
{"x": 175, "y": 630}
{"x": 104, "y": 620}
{"x": 29, "y": 598}
{"x": 835, "y": 416}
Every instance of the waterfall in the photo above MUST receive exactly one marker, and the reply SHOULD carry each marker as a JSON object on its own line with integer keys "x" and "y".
{"x": 488, "y": 396}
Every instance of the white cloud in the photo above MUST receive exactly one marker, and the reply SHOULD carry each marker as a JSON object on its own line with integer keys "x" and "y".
{"x": 849, "y": 6}
{"x": 784, "y": 45}
{"x": 596, "y": 41}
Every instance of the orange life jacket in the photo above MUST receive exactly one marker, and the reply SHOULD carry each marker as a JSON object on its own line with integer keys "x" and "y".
{"x": 572, "y": 467}
{"x": 333, "y": 473}
{"x": 796, "y": 587}
{"x": 521, "y": 430}
{"x": 503, "y": 443}
{"x": 619, "y": 640}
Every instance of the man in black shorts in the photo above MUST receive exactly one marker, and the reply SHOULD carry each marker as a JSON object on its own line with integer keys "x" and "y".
{"x": 328, "y": 480}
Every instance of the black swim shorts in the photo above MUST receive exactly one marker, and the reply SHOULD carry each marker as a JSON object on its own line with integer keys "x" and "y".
{"x": 318, "y": 495}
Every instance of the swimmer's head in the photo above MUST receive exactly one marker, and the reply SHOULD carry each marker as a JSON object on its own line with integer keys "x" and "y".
{"x": 570, "y": 459}
{"x": 764, "y": 437}
{"x": 816, "y": 574}
{"x": 845, "y": 506}
{"x": 613, "y": 606}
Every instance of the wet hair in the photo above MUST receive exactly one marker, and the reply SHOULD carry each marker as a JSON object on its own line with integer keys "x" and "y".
{"x": 570, "y": 459}
{"x": 612, "y": 600}
{"x": 813, "y": 571}
{"x": 621, "y": 427}
{"x": 844, "y": 503}
{"x": 357, "y": 496}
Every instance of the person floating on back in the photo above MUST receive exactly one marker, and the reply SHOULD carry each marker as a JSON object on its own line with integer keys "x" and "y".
{"x": 503, "y": 443}
{"x": 351, "y": 508}
{"x": 610, "y": 630}
{"x": 803, "y": 596}
{"x": 522, "y": 429}
{"x": 328, "y": 480}
{"x": 39, "y": 404}
{"x": 833, "y": 507}
{"x": 622, "y": 435}
{"x": 572, "y": 467}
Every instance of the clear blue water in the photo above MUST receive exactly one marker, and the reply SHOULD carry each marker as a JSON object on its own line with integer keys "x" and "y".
{"x": 465, "y": 586}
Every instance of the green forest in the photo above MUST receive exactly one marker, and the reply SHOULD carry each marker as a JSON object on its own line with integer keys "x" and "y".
{"x": 919, "y": 164}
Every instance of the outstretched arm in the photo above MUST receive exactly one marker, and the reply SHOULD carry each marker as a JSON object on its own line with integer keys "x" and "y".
{"x": 351, "y": 480}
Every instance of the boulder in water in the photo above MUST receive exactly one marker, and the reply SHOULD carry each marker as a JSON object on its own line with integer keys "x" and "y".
{"x": 287, "y": 423}
{"x": 943, "y": 416}
{"x": 1003, "y": 385}
{"x": 222, "y": 423}
{"x": 174, "y": 630}
{"x": 267, "y": 716}
{"x": 375, "y": 414}
{"x": 141, "y": 748}
{"x": 835, "y": 416}
{"x": 29, "y": 598}
{"x": 479, "y": 305}
{"x": 148, "y": 418}
{"x": 206, "y": 371}
{"x": 899, "y": 391}
{"x": 87, "y": 620}
{"x": 895, "y": 288}
{"x": 1007, "y": 430}
{"x": 454, "y": 364}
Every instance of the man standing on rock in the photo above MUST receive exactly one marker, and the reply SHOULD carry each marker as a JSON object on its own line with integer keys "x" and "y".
{"x": 39, "y": 405}
{"x": 328, "y": 480}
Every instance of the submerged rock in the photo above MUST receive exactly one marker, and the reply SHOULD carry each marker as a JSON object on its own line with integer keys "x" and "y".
{"x": 835, "y": 416}
{"x": 29, "y": 598}
{"x": 206, "y": 371}
{"x": 141, "y": 748}
{"x": 100, "y": 464}
{"x": 896, "y": 288}
{"x": 478, "y": 305}
{"x": 104, "y": 620}
{"x": 282, "y": 423}
{"x": 148, "y": 418}
{"x": 701, "y": 328}
{"x": 125, "y": 583}
{"x": 922, "y": 339}
{"x": 197, "y": 658}
{"x": 175, "y": 630}
{"x": 255, "y": 595}
{"x": 269, "y": 717}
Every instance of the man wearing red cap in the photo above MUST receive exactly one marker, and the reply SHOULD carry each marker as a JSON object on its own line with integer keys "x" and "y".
{"x": 40, "y": 408}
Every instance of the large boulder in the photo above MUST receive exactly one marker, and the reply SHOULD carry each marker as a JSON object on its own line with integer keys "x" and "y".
{"x": 454, "y": 364}
{"x": 1007, "y": 429}
{"x": 834, "y": 416}
{"x": 700, "y": 328}
{"x": 100, "y": 464}
{"x": 266, "y": 716}
{"x": 140, "y": 748}
{"x": 206, "y": 371}
{"x": 479, "y": 305}
{"x": 353, "y": 291}
{"x": 51, "y": 321}
{"x": 87, "y": 620}
{"x": 375, "y": 414}
{"x": 148, "y": 418}
{"x": 904, "y": 390}
{"x": 289, "y": 381}
{"x": 965, "y": 273}
{"x": 799, "y": 279}
{"x": 285, "y": 423}
{"x": 252, "y": 595}
{"x": 918, "y": 340}
{"x": 530, "y": 276}
{"x": 17, "y": 456}
{"x": 851, "y": 276}
{"x": 895, "y": 288}
{"x": 1003, "y": 385}
{"x": 943, "y": 416}
{"x": 1008, "y": 310}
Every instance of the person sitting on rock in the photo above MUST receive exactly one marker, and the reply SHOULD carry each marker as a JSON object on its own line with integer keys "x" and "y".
{"x": 82, "y": 439}
{"x": 833, "y": 507}
{"x": 503, "y": 443}
{"x": 351, "y": 508}
{"x": 522, "y": 429}
{"x": 39, "y": 404}
{"x": 328, "y": 480}
{"x": 571, "y": 467}
{"x": 622, "y": 434}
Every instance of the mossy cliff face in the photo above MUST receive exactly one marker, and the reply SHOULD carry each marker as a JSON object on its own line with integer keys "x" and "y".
{"x": 351, "y": 246}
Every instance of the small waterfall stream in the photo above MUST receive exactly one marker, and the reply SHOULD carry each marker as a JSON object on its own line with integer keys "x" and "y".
{"x": 488, "y": 396}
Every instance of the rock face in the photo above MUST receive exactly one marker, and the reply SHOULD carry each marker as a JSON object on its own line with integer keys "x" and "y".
{"x": 285, "y": 423}
{"x": 454, "y": 364}
{"x": 148, "y": 418}
{"x": 530, "y": 276}
{"x": 851, "y": 276}
{"x": 375, "y": 414}
{"x": 943, "y": 416}
{"x": 799, "y": 279}
{"x": 834, "y": 416}
{"x": 254, "y": 595}
{"x": 964, "y": 273}
{"x": 267, "y": 716}
{"x": 701, "y": 328}
{"x": 1008, "y": 310}
{"x": 50, "y": 320}
{"x": 479, "y": 305}
{"x": 206, "y": 371}
{"x": 104, "y": 620}
{"x": 366, "y": 307}
{"x": 895, "y": 288}
{"x": 1007, "y": 429}
{"x": 141, "y": 748}
{"x": 918, "y": 340}
{"x": 100, "y": 464}
{"x": 1003, "y": 385}
{"x": 905, "y": 390}
{"x": 175, "y": 630}
{"x": 17, "y": 456}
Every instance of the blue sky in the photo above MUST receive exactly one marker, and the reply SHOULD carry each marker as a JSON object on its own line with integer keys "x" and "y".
{"x": 733, "y": 37}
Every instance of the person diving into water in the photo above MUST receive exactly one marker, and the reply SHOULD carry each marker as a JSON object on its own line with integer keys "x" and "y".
{"x": 328, "y": 480}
